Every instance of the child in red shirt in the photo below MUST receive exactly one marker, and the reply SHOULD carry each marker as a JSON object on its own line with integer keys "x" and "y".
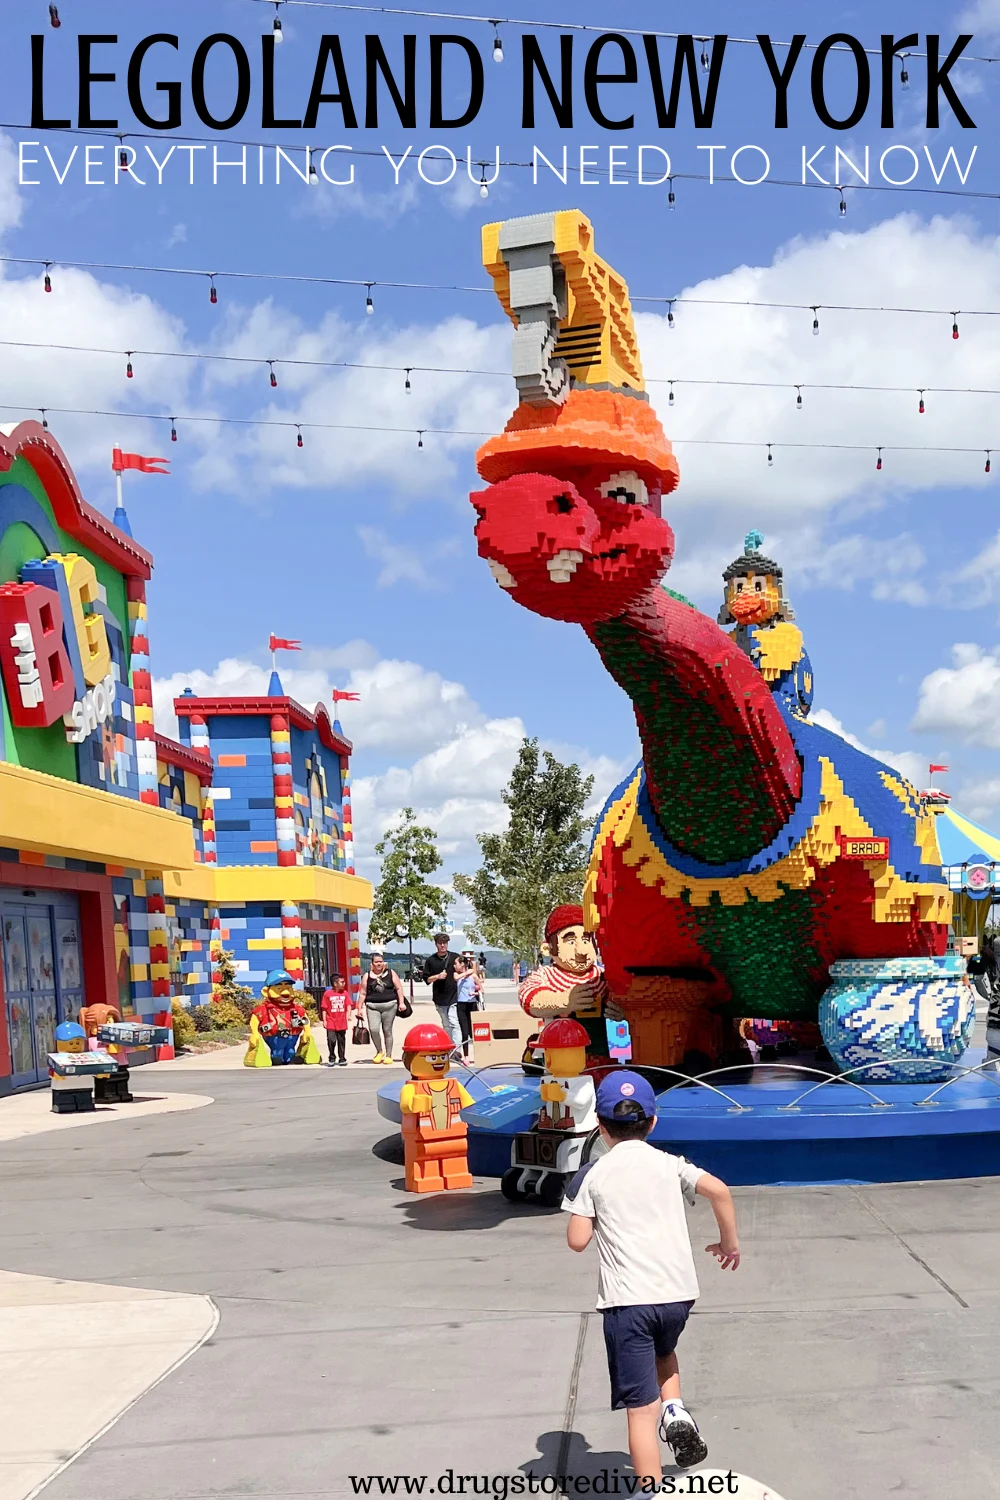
{"x": 335, "y": 1008}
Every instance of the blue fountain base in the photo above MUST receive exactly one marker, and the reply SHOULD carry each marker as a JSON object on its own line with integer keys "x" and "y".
{"x": 836, "y": 1135}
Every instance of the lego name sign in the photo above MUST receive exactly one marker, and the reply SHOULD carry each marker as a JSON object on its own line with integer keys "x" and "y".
{"x": 54, "y": 651}
{"x": 863, "y": 848}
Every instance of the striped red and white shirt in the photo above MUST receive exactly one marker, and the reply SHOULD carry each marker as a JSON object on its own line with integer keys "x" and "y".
{"x": 552, "y": 978}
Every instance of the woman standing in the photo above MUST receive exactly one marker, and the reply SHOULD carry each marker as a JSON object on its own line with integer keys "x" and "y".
{"x": 467, "y": 1000}
{"x": 382, "y": 997}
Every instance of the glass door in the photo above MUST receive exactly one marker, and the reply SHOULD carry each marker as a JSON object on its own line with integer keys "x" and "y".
{"x": 18, "y": 996}
{"x": 43, "y": 980}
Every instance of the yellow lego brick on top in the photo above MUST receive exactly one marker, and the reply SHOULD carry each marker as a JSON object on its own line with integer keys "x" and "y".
{"x": 139, "y": 973}
{"x": 264, "y": 944}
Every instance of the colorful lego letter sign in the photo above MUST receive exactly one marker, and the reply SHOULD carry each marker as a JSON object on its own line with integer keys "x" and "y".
{"x": 54, "y": 649}
{"x": 863, "y": 848}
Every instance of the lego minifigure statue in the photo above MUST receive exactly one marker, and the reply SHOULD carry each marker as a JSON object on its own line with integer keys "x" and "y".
{"x": 434, "y": 1134}
{"x": 74, "y": 1069}
{"x": 755, "y": 603}
{"x": 279, "y": 1027}
{"x": 567, "y": 1092}
{"x": 572, "y": 985}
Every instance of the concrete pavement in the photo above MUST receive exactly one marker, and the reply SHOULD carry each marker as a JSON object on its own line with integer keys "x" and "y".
{"x": 364, "y": 1331}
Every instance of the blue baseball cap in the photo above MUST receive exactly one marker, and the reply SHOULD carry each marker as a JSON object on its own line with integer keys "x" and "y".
{"x": 624, "y": 1087}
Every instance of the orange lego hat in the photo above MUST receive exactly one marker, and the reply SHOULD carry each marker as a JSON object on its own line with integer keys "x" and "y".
{"x": 591, "y": 427}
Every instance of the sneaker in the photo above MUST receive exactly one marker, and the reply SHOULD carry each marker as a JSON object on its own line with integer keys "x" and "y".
{"x": 379, "y": 1057}
{"x": 679, "y": 1431}
{"x": 387, "y": 1059}
{"x": 342, "y": 1063}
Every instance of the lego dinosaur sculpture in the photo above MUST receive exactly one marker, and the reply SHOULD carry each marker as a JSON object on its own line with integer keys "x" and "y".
{"x": 727, "y": 872}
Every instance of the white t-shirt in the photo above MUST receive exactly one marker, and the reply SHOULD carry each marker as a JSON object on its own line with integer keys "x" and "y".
{"x": 635, "y": 1195}
{"x": 580, "y": 1102}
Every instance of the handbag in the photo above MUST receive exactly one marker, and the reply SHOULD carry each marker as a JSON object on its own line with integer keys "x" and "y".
{"x": 404, "y": 1008}
{"x": 361, "y": 1036}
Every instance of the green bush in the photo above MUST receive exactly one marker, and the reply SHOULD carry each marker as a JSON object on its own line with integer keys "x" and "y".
{"x": 184, "y": 1026}
{"x": 223, "y": 1014}
{"x": 201, "y": 1017}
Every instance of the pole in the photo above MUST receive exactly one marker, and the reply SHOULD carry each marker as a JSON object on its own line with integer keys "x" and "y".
{"x": 409, "y": 939}
{"x": 118, "y": 488}
{"x": 274, "y": 656}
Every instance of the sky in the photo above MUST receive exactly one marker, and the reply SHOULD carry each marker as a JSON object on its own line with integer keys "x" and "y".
{"x": 360, "y": 543}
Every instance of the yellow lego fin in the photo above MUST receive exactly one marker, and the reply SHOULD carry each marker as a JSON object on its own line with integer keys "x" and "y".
{"x": 258, "y": 1054}
{"x": 571, "y": 310}
{"x": 307, "y": 1048}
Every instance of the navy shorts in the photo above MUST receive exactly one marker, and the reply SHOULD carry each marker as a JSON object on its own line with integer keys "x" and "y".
{"x": 635, "y": 1337}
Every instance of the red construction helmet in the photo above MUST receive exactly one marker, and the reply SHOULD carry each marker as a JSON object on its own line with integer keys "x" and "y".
{"x": 562, "y": 1032}
{"x": 428, "y": 1038}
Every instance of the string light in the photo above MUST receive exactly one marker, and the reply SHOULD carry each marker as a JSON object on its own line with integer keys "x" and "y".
{"x": 213, "y": 295}
{"x": 987, "y": 468}
{"x": 313, "y": 173}
{"x": 274, "y": 378}
{"x": 670, "y": 398}
{"x": 45, "y": 420}
{"x": 815, "y": 313}
{"x": 54, "y": 17}
{"x": 670, "y": 315}
{"x": 671, "y": 195}
{"x": 420, "y": 437}
{"x": 798, "y": 398}
{"x": 298, "y": 438}
{"x": 122, "y": 156}
{"x": 954, "y": 325}
{"x": 921, "y": 408}
{"x": 484, "y": 189}
{"x": 843, "y": 204}
{"x": 704, "y": 55}
{"x": 878, "y": 462}
{"x": 173, "y": 430}
{"x": 770, "y": 455}
{"x": 406, "y": 383}
{"x": 128, "y": 367}
{"x": 904, "y": 76}
{"x": 276, "y": 28}
{"x": 47, "y": 279}
{"x": 497, "y": 43}
{"x": 369, "y": 304}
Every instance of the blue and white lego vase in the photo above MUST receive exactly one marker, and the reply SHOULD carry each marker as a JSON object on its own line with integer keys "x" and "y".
{"x": 908, "y": 1018}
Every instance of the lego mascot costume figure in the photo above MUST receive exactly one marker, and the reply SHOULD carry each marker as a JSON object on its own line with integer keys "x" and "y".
{"x": 572, "y": 984}
{"x": 279, "y": 1026}
{"x": 434, "y": 1134}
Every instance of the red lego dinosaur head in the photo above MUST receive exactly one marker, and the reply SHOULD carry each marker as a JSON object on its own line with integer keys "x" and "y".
{"x": 571, "y": 523}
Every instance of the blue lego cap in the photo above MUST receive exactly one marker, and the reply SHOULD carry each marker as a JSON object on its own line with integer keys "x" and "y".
{"x": 69, "y": 1031}
{"x": 625, "y": 1087}
{"x": 278, "y": 976}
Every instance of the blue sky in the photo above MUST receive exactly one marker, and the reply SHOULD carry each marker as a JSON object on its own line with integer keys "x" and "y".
{"x": 361, "y": 545}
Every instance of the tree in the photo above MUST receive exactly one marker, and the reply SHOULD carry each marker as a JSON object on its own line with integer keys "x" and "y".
{"x": 407, "y": 905}
{"x": 539, "y": 862}
{"x": 226, "y": 989}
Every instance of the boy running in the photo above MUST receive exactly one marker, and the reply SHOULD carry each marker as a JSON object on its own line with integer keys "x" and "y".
{"x": 633, "y": 1199}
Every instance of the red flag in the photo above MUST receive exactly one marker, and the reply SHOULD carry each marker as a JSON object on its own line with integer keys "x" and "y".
{"x": 121, "y": 461}
{"x": 932, "y": 769}
{"x": 279, "y": 643}
{"x": 339, "y": 697}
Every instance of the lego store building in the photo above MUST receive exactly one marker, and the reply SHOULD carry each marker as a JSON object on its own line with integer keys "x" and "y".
{"x": 128, "y": 859}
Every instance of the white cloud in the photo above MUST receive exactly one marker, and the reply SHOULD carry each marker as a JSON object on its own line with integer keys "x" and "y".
{"x": 427, "y": 569}
{"x": 980, "y": 800}
{"x": 981, "y": 18}
{"x": 963, "y": 699}
{"x": 11, "y": 197}
{"x": 978, "y": 582}
{"x": 907, "y": 762}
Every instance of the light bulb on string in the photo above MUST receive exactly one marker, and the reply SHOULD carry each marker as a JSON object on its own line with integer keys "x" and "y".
{"x": 497, "y": 43}
{"x": 298, "y": 438}
{"x": 670, "y": 398}
{"x": 815, "y": 313}
{"x": 369, "y": 304}
{"x": 47, "y": 279}
{"x": 213, "y": 295}
{"x": 484, "y": 190}
{"x": 406, "y": 383}
{"x": 986, "y": 470}
{"x": 276, "y": 28}
{"x": 45, "y": 420}
{"x": 798, "y": 398}
{"x": 420, "y": 438}
{"x": 313, "y": 173}
{"x": 770, "y": 455}
{"x": 54, "y": 17}
{"x": 704, "y": 56}
{"x": 173, "y": 429}
{"x": 878, "y": 462}
{"x": 904, "y": 76}
{"x": 274, "y": 378}
{"x": 671, "y": 195}
{"x": 670, "y": 315}
{"x": 921, "y": 407}
{"x": 128, "y": 367}
{"x": 122, "y": 156}
{"x": 843, "y": 205}
{"x": 954, "y": 325}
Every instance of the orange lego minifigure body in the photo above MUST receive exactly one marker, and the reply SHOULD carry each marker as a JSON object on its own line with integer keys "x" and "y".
{"x": 434, "y": 1134}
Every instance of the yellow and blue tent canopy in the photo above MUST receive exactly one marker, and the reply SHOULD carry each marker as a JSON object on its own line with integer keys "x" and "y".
{"x": 963, "y": 842}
